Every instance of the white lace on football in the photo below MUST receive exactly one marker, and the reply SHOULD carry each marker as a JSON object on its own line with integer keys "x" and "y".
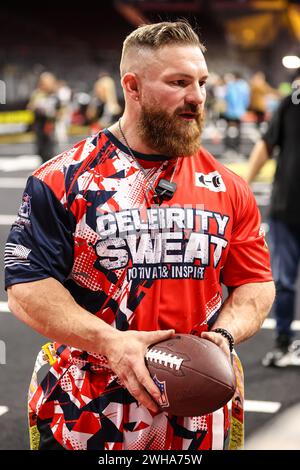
{"x": 168, "y": 360}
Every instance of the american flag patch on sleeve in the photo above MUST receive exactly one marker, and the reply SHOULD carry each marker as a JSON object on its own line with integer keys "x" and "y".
{"x": 16, "y": 254}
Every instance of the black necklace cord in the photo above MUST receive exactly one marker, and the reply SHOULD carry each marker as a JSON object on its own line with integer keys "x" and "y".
{"x": 166, "y": 188}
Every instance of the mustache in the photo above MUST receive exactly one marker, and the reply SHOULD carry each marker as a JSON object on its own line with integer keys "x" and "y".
{"x": 190, "y": 108}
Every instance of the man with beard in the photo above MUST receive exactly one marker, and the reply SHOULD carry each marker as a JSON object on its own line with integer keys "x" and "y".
{"x": 114, "y": 228}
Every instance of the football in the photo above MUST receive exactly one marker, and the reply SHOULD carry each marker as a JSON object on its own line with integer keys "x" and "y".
{"x": 193, "y": 374}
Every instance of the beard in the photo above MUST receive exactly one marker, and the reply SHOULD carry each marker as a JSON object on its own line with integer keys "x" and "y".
{"x": 171, "y": 135}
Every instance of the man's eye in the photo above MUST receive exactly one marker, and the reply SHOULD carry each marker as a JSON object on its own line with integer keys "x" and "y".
{"x": 178, "y": 83}
{"x": 202, "y": 83}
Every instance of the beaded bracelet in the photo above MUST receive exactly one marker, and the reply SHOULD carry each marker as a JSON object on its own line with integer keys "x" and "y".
{"x": 226, "y": 335}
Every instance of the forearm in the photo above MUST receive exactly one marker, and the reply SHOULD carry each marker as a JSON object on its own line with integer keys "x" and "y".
{"x": 47, "y": 307}
{"x": 257, "y": 159}
{"x": 245, "y": 309}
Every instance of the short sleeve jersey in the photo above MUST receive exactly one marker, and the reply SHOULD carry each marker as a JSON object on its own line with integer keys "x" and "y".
{"x": 87, "y": 219}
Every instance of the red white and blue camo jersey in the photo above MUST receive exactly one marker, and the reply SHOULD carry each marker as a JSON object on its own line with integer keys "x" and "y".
{"x": 87, "y": 220}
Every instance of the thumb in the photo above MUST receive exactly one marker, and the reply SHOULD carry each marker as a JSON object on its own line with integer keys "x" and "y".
{"x": 153, "y": 337}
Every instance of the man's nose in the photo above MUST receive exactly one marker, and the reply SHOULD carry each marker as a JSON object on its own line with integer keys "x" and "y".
{"x": 196, "y": 95}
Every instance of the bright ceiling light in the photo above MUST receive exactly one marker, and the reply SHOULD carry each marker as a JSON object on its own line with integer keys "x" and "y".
{"x": 291, "y": 61}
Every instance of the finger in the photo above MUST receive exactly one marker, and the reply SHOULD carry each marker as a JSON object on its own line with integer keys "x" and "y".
{"x": 139, "y": 393}
{"x": 152, "y": 337}
{"x": 214, "y": 337}
{"x": 144, "y": 378}
{"x": 218, "y": 340}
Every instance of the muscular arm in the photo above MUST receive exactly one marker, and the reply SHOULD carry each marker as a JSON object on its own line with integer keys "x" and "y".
{"x": 47, "y": 307}
{"x": 243, "y": 312}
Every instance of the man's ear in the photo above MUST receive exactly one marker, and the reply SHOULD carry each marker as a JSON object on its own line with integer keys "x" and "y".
{"x": 130, "y": 83}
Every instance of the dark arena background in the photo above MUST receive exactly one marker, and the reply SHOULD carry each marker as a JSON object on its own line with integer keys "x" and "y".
{"x": 80, "y": 45}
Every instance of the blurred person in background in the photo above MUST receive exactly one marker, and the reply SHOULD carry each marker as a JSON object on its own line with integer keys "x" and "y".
{"x": 210, "y": 114}
{"x": 63, "y": 121}
{"x": 104, "y": 108}
{"x": 215, "y": 106}
{"x": 237, "y": 95}
{"x": 45, "y": 104}
{"x": 260, "y": 90}
{"x": 219, "y": 91}
{"x": 284, "y": 234}
{"x": 80, "y": 102}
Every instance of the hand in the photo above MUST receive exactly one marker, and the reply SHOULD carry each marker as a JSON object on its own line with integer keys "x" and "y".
{"x": 126, "y": 357}
{"x": 219, "y": 340}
